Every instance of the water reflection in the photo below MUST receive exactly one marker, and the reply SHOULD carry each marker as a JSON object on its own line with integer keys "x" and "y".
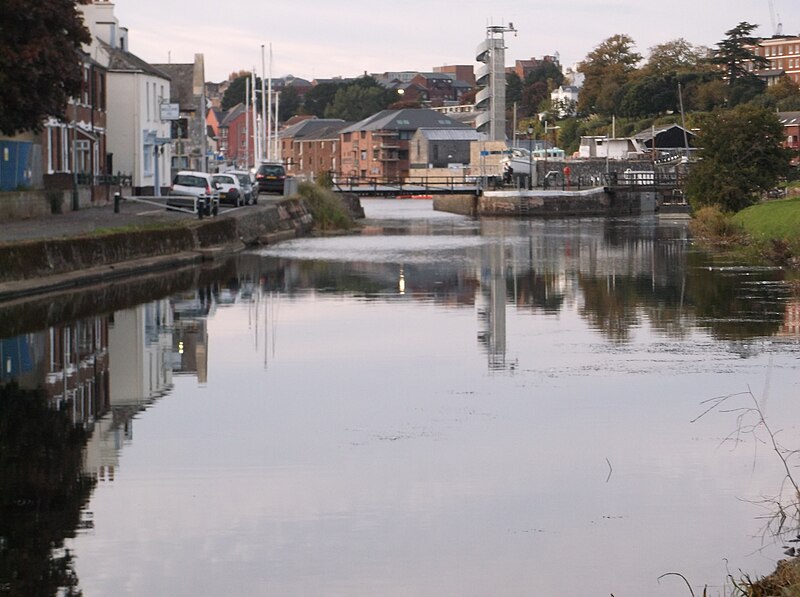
{"x": 515, "y": 289}
{"x": 619, "y": 275}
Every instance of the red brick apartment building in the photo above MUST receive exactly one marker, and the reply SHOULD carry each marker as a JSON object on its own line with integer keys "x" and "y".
{"x": 234, "y": 146}
{"x": 311, "y": 147}
{"x": 378, "y": 146}
{"x": 783, "y": 54}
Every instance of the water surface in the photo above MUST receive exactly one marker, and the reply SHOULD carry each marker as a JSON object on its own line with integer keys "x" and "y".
{"x": 438, "y": 406}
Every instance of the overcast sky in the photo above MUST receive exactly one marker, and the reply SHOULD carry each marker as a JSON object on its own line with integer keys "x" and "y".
{"x": 320, "y": 39}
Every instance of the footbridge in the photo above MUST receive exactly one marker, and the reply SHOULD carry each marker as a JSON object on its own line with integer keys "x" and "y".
{"x": 410, "y": 187}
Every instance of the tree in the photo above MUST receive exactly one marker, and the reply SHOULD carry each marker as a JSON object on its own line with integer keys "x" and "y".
{"x": 355, "y": 102}
{"x": 736, "y": 51}
{"x": 289, "y": 104}
{"x": 236, "y": 93}
{"x": 673, "y": 57}
{"x": 607, "y": 69}
{"x": 319, "y": 98}
{"x": 360, "y": 98}
{"x": 741, "y": 156}
{"x": 40, "y": 63}
{"x": 513, "y": 89}
{"x": 786, "y": 94}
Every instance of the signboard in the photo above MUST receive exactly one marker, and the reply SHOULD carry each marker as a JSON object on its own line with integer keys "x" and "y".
{"x": 170, "y": 111}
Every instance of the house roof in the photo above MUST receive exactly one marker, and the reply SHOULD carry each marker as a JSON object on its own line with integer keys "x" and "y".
{"x": 120, "y": 60}
{"x": 648, "y": 134}
{"x": 789, "y": 118}
{"x": 182, "y": 88}
{"x": 409, "y": 119}
{"x": 461, "y": 134}
{"x": 232, "y": 114}
{"x": 314, "y": 128}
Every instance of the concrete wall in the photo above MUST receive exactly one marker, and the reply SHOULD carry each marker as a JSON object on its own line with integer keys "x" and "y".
{"x": 22, "y": 205}
{"x": 554, "y": 203}
{"x": 40, "y": 258}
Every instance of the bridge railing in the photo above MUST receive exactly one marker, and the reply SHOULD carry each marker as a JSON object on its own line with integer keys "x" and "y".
{"x": 644, "y": 178}
{"x": 401, "y": 184}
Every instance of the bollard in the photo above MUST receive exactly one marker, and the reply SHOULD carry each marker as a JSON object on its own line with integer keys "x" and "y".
{"x": 116, "y": 203}
{"x": 201, "y": 207}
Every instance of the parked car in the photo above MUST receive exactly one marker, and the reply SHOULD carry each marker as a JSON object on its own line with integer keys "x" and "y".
{"x": 230, "y": 190}
{"x": 271, "y": 178}
{"x": 189, "y": 188}
{"x": 249, "y": 187}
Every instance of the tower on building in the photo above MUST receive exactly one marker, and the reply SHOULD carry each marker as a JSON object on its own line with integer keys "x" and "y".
{"x": 491, "y": 79}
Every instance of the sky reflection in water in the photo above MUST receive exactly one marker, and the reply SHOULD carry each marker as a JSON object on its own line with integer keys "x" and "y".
{"x": 457, "y": 408}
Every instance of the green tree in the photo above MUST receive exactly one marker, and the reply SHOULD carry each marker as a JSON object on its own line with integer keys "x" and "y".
{"x": 319, "y": 98}
{"x": 735, "y": 52}
{"x": 236, "y": 93}
{"x": 607, "y": 69}
{"x": 513, "y": 89}
{"x": 673, "y": 57}
{"x": 741, "y": 156}
{"x": 786, "y": 95}
{"x": 40, "y": 64}
{"x": 289, "y": 104}
{"x": 360, "y": 98}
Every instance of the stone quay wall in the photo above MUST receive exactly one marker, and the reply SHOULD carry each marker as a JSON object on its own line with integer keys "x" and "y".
{"x": 80, "y": 255}
{"x": 551, "y": 203}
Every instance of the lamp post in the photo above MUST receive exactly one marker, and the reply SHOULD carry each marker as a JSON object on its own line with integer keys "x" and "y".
{"x": 530, "y": 157}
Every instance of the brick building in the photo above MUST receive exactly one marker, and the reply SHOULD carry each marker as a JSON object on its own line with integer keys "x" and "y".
{"x": 233, "y": 144}
{"x": 378, "y": 146}
{"x": 311, "y": 146}
{"x": 85, "y": 124}
{"x": 783, "y": 54}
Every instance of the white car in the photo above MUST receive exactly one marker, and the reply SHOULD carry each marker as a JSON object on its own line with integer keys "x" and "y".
{"x": 230, "y": 190}
{"x": 249, "y": 186}
{"x": 192, "y": 189}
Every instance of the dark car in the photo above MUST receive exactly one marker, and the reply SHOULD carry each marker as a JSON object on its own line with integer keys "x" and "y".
{"x": 271, "y": 178}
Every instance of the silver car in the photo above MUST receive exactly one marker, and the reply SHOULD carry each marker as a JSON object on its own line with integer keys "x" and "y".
{"x": 249, "y": 188}
{"x": 190, "y": 189}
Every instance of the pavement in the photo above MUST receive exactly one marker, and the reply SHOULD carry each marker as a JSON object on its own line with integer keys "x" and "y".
{"x": 93, "y": 219}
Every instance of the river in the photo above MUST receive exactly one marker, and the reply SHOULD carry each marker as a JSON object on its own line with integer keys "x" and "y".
{"x": 435, "y": 406}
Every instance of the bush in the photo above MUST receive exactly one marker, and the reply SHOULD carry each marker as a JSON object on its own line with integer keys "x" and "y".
{"x": 714, "y": 225}
{"x": 326, "y": 207}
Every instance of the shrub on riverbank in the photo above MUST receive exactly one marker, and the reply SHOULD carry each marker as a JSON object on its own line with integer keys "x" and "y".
{"x": 714, "y": 226}
{"x": 326, "y": 207}
{"x": 774, "y": 228}
{"x": 767, "y": 232}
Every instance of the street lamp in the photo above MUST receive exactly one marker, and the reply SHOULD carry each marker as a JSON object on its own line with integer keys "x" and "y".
{"x": 530, "y": 157}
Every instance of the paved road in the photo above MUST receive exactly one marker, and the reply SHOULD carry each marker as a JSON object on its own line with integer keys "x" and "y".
{"x": 76, "y": 223}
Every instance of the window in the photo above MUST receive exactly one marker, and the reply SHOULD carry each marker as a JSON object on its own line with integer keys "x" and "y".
{"x": 363, "y": 154}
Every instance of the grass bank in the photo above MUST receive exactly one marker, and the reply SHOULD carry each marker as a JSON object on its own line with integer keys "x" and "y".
{"x": 774, "y": 230}
{"x": 768, "y": 232}
{"x": 329, "y": 211}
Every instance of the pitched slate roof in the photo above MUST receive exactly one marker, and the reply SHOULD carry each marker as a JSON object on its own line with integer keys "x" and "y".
{"x": 409, "y": 119}
{"x": 460, "y": 134}
{"x": 314, "y": 128}
{"x": 789, "y": 118}
{"x": 232, "y": 114}
{"x": 120, "y": 60}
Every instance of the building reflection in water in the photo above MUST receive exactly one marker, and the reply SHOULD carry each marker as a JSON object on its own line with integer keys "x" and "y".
{"x": 140, "y": 345}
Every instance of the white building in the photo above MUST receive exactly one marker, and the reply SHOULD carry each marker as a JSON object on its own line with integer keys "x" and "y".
{"x": 565, "y": 100}
{"x": 137, "y": 138}
{"x": 614, "y": 149}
